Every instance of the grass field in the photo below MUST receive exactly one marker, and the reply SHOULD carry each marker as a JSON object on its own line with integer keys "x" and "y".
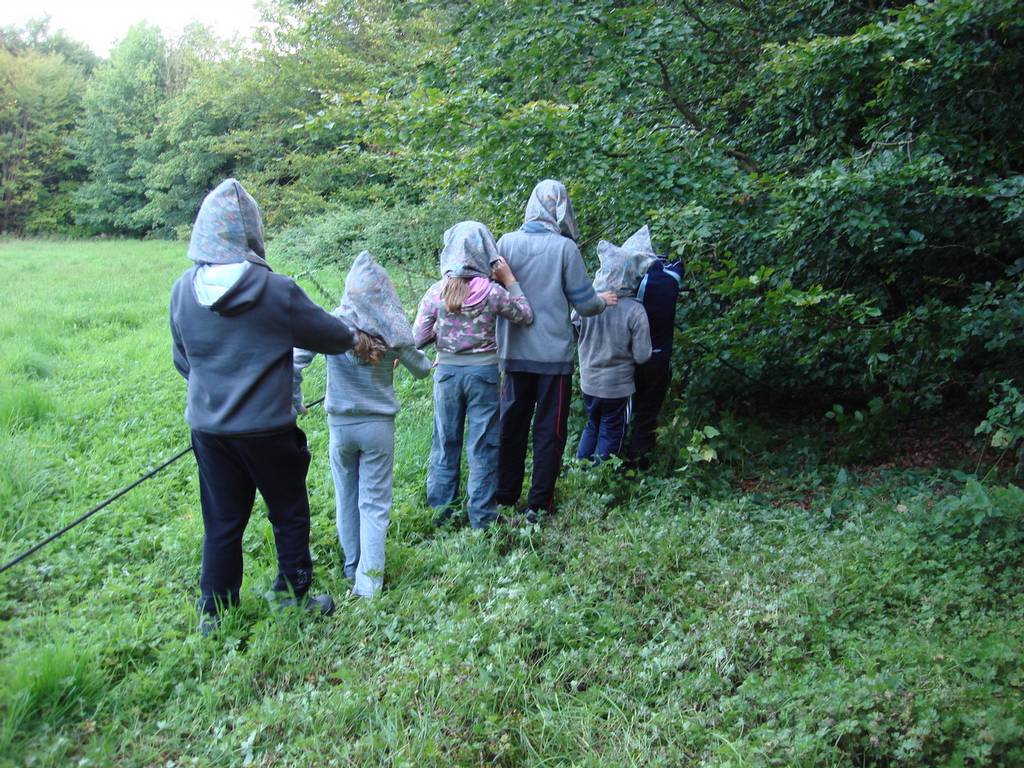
{"x": 655, "y": 621}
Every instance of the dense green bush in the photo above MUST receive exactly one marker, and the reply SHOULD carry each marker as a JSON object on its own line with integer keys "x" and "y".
{"x": 406, "y": 238}
{"x": 844, "y": 181}
{"x": 40, "y": 103}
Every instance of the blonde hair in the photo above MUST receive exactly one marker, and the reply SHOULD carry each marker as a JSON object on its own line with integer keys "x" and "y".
{"x": 454, "y": 293}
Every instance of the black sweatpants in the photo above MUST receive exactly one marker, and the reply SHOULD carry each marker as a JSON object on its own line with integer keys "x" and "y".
{"x": 652, "y": 382}
{"x": 544, "y": 400}
{"x": 231, "y": 470}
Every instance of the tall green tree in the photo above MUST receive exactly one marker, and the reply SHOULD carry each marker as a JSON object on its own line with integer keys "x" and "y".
{"x": 38, "y": 35}
{"x": 122, "y": 105}
{"x": 39, "y": 103}
{"x": 42, "y": 76}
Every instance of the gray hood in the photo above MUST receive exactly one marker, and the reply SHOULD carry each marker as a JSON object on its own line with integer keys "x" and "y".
{"x": 640, "y": 242}
{"x": 622, "y": 268}
{"x": 228, "y": 229}
{"x": 241, "y": 295}
{"x": 469, "y": 251}
{"x": 549, "y": 206}
{"x": 371, "y": 303}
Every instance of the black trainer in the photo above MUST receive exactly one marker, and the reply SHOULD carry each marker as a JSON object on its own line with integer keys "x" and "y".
{"x": 319, "y": 604}
{"x": 208, "y": 623}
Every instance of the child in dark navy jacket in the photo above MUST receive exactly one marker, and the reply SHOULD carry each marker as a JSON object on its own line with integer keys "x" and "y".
{"x": 658, "y": 292}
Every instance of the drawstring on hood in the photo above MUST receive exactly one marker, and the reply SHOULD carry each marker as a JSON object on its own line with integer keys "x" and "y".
{"x": 228, "y": 229}
{"x": 550, "y": 208}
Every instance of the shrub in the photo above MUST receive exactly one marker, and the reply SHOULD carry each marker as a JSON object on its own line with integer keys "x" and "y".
{"x": 407, "y": 235}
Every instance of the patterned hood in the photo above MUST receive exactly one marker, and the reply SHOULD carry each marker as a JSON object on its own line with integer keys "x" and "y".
{"x": 371, "y": 303}
{"x": 623, "y": 267}
{"x": 640, "y": 242}
{"x": 469, "y": 251}
{"x": 550, "y": 207}
{"x": 228, "y": 229}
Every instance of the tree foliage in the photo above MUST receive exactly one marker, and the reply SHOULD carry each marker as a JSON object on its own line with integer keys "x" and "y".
{"x": 844, "y": 180}
{"x": 41, "y": 81}
{"x": 121, "y": 107}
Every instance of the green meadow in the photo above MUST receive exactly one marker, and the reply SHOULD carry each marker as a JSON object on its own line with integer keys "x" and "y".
{"x": 673, "y": 619}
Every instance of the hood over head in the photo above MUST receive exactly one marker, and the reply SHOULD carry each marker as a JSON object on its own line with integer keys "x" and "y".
{"x": 371, "y": 303}
{"x": 228, "y": 229}
{"x": 469, "y": 251}
{"x": 622, "y": 268}
{"x": 640, "y": 242}
{"x": 549, "y": 206}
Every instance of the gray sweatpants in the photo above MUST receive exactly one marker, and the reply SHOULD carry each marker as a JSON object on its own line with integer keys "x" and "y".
{"x": 362, "y": 458}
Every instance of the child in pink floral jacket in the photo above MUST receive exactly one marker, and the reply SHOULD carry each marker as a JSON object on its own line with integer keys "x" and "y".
{"x": 459, "y": 315}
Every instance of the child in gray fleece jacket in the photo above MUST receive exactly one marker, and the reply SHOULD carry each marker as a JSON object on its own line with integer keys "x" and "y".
{"x": 611, "y": 345}
{"x": 536, "y": 360}
{"x": 361, "y": 407}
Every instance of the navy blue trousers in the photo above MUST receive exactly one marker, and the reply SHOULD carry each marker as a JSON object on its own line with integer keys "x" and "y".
{"x": 542, "y": 399}
{"x": 652, "y": 382}
{"x": 606, "y": 424}
{"x": 231, "y": 470}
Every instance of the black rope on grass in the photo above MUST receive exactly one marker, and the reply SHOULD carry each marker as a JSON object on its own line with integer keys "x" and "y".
{"x": 310, "y": 274}
{"x": 108, "y": 501}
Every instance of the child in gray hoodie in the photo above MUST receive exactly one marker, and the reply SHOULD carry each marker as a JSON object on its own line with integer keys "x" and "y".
{"x": 361, "y": 408}
{"x": 611, "y": 345}
{"x": 536, "y": 360}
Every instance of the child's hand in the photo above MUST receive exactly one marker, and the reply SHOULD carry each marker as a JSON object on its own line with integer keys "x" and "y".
{"x": 610, "y": 298}
{"x": 502, "y": 273}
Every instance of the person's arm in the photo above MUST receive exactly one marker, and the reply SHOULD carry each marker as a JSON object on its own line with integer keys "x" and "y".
{"x": 577, "y": 323}
{"x": 316, "y": 329}
{"x": 301, "y": 358}
{"x": 640, "y": 335}
{"x": 181, "y": 362}
{"x": 417, "y": 363}
{"x": 426, "y": 316}
{"x": 578, "y": 288}
{"x": 676, "y": 270}
{"x": 509, "y": 300}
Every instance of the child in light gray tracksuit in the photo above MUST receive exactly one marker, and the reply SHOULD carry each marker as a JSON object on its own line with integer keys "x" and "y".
{"x": 361, "y": 408}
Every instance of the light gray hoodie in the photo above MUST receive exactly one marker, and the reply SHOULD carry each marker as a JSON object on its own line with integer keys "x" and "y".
{"x": 611, "y": 346}
{"x": 551, "y": 273}
{"x": 620, "y": 339}
{"x": 358, "y": 391}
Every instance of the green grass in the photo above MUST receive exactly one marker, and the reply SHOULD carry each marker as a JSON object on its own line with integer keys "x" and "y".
{"x": 653, "y": 622}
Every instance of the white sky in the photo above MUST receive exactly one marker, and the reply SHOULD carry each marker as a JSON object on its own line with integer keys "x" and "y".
{"x": 101, "y": 23}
